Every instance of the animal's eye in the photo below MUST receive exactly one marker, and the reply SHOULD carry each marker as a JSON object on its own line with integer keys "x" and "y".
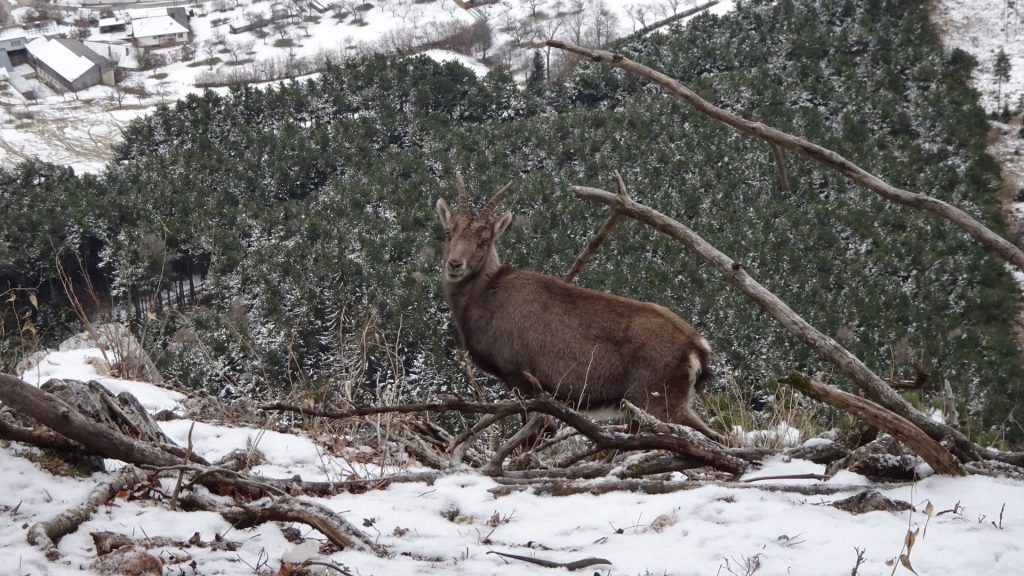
{"x": 484, "y": 242}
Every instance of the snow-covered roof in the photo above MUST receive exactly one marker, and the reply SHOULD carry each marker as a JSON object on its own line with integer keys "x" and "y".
{"x": 138, "y": 13}
{"x": 60, "y": 58}
{"x": 112, "y": 21}
{"x": 156, "y": 26}
{"x": 12, "y": 32}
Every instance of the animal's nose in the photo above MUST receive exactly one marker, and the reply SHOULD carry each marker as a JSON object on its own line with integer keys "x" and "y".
{"x": 454, "y": 265}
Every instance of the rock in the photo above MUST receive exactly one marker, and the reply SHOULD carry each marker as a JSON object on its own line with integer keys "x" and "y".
{"x": 824, "y": 448}
{"x": 128, "y": 561}
{"x": 871, "y": 501}
{"x": 28, "y": 364}
{"x": 884, "y": 459}
{"x": 127, "y": 357}
{"x": 123, "y": 413}
{"x": 107, "y": 542}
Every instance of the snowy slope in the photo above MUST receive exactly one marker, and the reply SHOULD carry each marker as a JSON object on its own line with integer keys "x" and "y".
{"x": 449, "y": 527}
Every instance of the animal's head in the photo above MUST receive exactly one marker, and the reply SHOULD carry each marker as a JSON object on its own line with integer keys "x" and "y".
{"x": 469, "y": 240}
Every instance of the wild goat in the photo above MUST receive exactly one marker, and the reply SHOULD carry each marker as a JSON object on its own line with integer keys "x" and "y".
{"x": 587, "y": 348}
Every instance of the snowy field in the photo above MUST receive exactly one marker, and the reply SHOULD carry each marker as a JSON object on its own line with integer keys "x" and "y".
{"x": 78, "y": 130}
{"x": 976, "y": 524}
{"x": 983, "y": 28}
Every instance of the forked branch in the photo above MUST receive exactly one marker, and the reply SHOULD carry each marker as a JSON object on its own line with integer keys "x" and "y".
{"x": 832, "y": 160}
{"x": 696, "y": 447}
{"x": 827, "y": 348}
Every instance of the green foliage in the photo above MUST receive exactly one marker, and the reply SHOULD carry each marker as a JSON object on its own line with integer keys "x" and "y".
{"x": 308, "y": 207}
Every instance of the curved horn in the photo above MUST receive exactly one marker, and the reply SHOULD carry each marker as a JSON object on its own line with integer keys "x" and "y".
{"x": 485, "y": 212}
{"x": 462, "y": 206}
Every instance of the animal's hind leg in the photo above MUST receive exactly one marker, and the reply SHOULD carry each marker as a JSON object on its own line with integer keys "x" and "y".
{"x": 687, "y": 417}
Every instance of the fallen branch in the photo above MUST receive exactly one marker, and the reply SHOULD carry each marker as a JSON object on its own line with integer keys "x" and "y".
{"x": 898, "y": 427}
{"x": 570, "y": 566}
{"x": 53, "y": 412}
{"x": 704, "y": 450}
{"x": 565, "y": 488}
{"x": 339, "y": 531}
{"x": 45, "y": 535}
{"x": 676, "y": 17}
{"x": 40, "y": 437}
{"x": 461, "y": 444}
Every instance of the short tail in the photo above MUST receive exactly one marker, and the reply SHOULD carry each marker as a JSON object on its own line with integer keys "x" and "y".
{"x": 704, "y": 375}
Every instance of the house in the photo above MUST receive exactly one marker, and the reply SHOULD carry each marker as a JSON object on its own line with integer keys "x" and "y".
{"x": 159, "y": 32}
{"x": 66, "y": 64}
{"x": 113, "y": 24}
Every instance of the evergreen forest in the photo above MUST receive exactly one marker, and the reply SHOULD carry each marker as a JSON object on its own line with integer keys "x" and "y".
{"x": 265, "y": 241}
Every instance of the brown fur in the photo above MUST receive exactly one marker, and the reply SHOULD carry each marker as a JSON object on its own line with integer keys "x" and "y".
{"x": 589, "y": 349}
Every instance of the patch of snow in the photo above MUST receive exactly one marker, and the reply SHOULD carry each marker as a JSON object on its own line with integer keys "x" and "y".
{"x": 817, "y": 441}
{"x": 469, "y": 62}
{"x": 82, "y": 365}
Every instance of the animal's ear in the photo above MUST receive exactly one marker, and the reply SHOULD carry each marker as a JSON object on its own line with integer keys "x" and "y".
{"x": 501, "y": 224}
{"x": 445, "y": 213}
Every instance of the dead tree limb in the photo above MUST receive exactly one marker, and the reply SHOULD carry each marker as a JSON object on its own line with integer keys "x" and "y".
{"x": 532, "y": 427}
{"x": 676, "y": 17}
{"x": 568, "y": 488}
{"x": 898, "y": 427}
{"x": 40, "y": 437}
{"x": 705, "y": 450}
{"x": 598, "y": 239}
{"x": 45, "y": 535}
{"x": 53, "y": 412}
{"x": 570, "y": 566}
{"x": 460, "y": 445}
{"x": 780, "y": 166}
{"x": 826, "y": 347}
{"x": 339, "y": 531}
{"x": 1001, "y": 246}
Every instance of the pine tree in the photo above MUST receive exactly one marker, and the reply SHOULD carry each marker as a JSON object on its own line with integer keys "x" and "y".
{"x": 1002, "y": 71}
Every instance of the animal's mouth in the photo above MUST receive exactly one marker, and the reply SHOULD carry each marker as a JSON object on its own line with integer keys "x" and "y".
{"x": 453, "y": 276}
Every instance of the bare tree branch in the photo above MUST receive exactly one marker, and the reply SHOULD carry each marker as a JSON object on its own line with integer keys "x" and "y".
{"x": 575, "y": 565}
{"x": 705, "y": 450}
{"x": 45, "y": 535}
{"x": 938, "y": 457}
{"x": 780, "y": 166}
{"x": 1001, "y": 246}
{"x": 568, "y": 488}
{"x": 598, "y": 239}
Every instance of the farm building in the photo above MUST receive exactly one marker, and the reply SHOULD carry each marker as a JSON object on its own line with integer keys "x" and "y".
{"x": 66, "y": 64}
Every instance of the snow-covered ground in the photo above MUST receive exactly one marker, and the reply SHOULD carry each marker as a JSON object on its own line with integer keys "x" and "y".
{"x": 976, "y": 524}
{"x": 983, "y": 28}
{"x": 78, "y": 130}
